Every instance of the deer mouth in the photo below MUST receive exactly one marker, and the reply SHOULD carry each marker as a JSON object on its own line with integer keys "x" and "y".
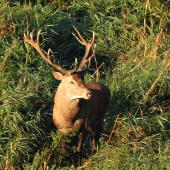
{"x": 84, "y": 96}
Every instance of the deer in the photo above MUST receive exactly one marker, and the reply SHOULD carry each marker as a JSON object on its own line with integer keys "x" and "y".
{"x": 76, "y": 104}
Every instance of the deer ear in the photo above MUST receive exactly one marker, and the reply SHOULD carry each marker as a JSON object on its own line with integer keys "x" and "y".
{"x": 57, "y": 75}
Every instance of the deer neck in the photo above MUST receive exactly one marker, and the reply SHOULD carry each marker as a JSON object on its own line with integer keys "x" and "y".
{"x": 64, "y": 104}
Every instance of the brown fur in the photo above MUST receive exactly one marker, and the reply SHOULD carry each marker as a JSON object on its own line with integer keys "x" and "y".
{"x": 76, "y": 104}
{"x": 87, "y": 114}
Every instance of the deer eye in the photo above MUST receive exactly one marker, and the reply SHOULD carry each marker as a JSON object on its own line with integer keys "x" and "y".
{"x": 71, "y": 82}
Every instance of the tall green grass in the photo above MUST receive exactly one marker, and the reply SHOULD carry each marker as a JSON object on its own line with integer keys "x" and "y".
{"x": 132, "y": 60}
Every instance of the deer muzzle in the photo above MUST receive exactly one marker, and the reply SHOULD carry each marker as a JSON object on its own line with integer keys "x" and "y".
{"x": 87, "y": 95}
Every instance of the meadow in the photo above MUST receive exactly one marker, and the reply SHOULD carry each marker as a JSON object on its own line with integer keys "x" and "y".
{"x": 132, "y": 60}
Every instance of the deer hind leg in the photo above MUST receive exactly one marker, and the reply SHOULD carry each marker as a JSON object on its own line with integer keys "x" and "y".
{"x": 95, "y": 130}
{"x": 96, "y": 137}
{"x": 82, "y": 136}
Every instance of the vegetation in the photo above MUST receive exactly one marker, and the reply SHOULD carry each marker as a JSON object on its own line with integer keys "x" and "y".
{"x": 133, "y": 60}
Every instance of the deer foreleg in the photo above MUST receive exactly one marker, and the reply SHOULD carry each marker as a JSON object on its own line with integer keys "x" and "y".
{"x": 63, "y": 146}
{"x": 82, "y": 136}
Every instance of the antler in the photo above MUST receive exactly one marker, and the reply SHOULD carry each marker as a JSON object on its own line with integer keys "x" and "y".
{"x": 88, "y": 45}
{"x": 36, "y": 45}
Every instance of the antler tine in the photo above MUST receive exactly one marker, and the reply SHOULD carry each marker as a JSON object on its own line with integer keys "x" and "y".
{"x": 48, "y": 53}
{"x": 75, "y": 67}
{"x": 36, "y": 45}
{"x": 88, "y": 45}
{"x": 89, "y": 59}
{"x": 94, "y": 51}
{"x": 31, "y": 34}
{"x": 38, "y": 35}
{"x": 82, "y": 41}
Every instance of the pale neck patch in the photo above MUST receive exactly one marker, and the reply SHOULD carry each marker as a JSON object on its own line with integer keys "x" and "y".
{"x": 75, "y": 97}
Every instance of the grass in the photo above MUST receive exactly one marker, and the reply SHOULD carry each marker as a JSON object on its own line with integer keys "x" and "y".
{"x": 132, "y": 60}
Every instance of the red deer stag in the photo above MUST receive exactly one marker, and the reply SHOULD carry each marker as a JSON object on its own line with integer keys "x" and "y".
{"x": 76, "y": 104}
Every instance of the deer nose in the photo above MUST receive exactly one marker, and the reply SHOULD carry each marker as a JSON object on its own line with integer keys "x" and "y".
{"x": 88, "y": 95}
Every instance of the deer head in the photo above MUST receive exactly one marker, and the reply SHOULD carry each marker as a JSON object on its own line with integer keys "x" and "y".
{"x": 71, "y": 79}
